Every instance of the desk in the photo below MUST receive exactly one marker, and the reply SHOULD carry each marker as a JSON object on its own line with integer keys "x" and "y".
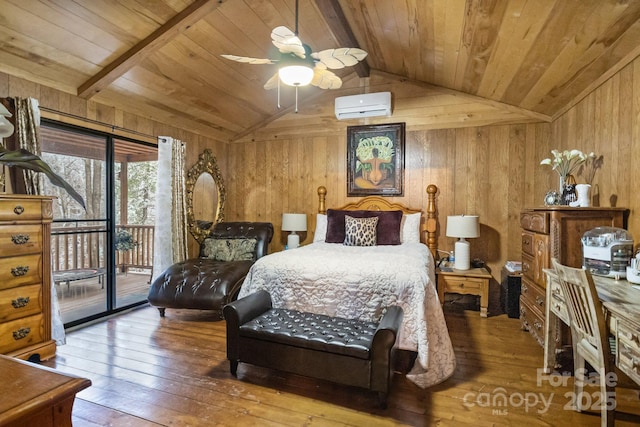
{"x": 621, "y": 302}
{"x": 34, "y": 395}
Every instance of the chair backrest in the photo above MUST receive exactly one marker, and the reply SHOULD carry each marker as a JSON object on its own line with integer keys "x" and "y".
{"x": 585, "y": 309}
{"x": 261, "y": 231}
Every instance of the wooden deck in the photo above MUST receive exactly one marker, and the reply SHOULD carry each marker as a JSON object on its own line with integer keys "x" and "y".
{"x": 82, "y": 298}
{"x": 152, "y": 371}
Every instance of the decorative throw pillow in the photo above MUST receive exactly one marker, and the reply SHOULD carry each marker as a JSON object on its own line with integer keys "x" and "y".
{"x": 321, "y": 228}
{"x": 410, "y": 228}
{"x": 388, "y": 229}
{"x": 360, "y": 231}
{"x": 229, "y": 249}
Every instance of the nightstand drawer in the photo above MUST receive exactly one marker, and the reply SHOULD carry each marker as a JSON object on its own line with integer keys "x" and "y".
{"x": 461, "y": 285}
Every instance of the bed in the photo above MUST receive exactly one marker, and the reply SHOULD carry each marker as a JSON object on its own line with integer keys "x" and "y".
{"x": 359, "y": 282}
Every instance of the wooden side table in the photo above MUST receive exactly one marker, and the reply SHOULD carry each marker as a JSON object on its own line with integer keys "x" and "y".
{"x": 34, "y": 395}
{"x": 473, "y": 282}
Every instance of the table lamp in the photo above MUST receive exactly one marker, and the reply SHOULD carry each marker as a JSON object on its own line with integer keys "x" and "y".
{"x": 294, "y": 222}
{"x": 462, "y": 227}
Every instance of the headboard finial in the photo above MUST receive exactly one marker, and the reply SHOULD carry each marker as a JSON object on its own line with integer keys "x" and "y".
{"x": 322, "y": 197}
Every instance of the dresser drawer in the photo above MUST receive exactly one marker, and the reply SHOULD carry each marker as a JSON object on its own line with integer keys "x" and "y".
{"x": 532, "y": 321}
{"x": 461, "y": 285}
{"x": 20, "y": 333}
{"x": 21, "y": 210}
{"x": 534, "y": 295}
{"x": 20, "y": 239}
{"x": 629, "y": 350}
{"x": 527, "y": 243}
{"x": 20, "y": 302}
{"x": 18, "y": 271}
{"x": 535, "y": 221}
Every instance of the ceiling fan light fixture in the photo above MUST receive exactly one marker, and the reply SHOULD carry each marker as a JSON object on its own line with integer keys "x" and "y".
{"x": 296, "y": 75}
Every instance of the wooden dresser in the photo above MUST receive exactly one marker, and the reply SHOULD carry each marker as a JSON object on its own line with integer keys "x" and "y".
{"x": 25, "y": 276}
{"x": 554, "y": 232}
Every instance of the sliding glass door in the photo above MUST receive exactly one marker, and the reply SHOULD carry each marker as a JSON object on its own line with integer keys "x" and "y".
{"x": 101, "y": 256}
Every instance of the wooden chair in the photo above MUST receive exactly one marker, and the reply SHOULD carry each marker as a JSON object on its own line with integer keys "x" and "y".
{"x": 590, "y": 338}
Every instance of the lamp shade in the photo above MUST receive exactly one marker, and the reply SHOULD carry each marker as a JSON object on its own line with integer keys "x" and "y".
{"x": 465, "y": 226}
{"x": 294, "y": 222}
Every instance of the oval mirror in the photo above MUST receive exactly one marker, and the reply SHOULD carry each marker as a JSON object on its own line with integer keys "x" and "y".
{"x": 205, "y": 196}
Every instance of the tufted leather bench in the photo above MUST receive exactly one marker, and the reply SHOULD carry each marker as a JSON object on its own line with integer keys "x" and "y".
{"x": 344, "y": 351}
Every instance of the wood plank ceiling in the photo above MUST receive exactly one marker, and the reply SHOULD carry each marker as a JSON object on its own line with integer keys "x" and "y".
{"x": 161, "y": 58}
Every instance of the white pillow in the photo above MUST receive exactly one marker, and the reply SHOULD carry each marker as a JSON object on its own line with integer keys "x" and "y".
{"x": 321, "y": 228}
{"x": 410, "y": 228}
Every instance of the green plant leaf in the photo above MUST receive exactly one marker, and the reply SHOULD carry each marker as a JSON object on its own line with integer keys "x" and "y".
{"x": 26, "y": 160}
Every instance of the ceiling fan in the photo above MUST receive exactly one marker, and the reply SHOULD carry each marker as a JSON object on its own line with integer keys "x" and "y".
{"x": 299, "y": 66}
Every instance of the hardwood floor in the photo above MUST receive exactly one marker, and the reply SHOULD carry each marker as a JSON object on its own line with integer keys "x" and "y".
{"x": 148, "y": 371}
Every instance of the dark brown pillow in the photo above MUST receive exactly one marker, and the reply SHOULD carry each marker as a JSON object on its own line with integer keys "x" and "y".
{"x": 388, "y": 229}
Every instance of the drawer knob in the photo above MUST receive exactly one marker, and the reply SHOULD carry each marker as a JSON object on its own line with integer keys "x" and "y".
{"x": 539, "y": 300}
{"x": 20, "y": 270}
{"x": 20, "y": 302}
{"x": 21, "y": 333}
{"x": 18, "y": 210}
{"x": 20, "y": 239}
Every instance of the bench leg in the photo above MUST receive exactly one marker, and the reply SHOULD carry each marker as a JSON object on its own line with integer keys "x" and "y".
{"x": 161, "y": 310}
{"x": 233, "y": 367}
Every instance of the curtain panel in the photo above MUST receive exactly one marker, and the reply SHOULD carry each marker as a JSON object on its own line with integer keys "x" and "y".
{"x": 170, "y": 236}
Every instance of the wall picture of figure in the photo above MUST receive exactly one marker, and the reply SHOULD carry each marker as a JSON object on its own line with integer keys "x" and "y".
{"x": 375, "y": 160}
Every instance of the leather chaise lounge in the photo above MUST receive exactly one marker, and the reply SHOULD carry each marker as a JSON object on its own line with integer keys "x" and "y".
{"x": 212, "y": 280}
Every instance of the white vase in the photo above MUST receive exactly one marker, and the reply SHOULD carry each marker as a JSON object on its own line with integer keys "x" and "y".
{"x": 584, "y": 195}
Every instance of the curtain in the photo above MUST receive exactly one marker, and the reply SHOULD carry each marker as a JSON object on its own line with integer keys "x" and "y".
{"x": 28, "y": 137}
{"x": 170, "y": 235}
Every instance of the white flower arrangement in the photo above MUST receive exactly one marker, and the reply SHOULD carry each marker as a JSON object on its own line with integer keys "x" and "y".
{"x": 565, "y": 162}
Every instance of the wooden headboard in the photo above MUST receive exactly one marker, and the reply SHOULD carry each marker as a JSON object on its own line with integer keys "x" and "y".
{"x": 374, "y": 203}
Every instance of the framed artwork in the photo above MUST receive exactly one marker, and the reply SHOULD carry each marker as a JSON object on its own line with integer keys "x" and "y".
{"x": 375, "y": 160}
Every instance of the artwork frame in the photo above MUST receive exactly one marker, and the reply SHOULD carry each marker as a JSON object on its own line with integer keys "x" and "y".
{"x": 365, "y": 144}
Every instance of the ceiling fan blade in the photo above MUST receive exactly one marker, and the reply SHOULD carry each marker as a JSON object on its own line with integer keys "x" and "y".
{"x": 340, "y": 58}
{"x": 272, "y": 83}
{"x": 287, "y": 42}
{"x": 247, "y": 60}
{"x": 325, "y": 79}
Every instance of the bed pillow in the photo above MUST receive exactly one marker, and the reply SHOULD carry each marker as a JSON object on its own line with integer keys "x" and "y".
{"x": 360, "y": 231}
{"x": 229, "y": 249}
{"x": 321, "y": 228}
{"x": 410, "y": 228}
{"x": 387, "y": 231}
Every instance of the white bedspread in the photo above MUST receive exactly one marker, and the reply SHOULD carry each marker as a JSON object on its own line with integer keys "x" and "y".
{"x": 359, "y": 282}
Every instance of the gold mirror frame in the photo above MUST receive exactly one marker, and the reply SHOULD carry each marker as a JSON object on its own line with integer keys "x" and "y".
{"x": 206, "y": 164}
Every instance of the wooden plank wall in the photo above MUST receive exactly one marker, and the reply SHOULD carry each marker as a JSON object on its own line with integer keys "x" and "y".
{"x": 143, "y": 128}
{"x": 479, "y": 170}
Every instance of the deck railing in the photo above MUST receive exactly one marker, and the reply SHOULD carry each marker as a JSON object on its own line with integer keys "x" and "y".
{"x": 83, "y": 246}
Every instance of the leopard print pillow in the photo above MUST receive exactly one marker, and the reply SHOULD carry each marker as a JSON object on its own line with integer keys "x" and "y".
{"x": 360, "y": 231}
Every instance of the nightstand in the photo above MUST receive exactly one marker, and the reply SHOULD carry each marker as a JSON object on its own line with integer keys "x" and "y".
{"x": 473, "y": 282}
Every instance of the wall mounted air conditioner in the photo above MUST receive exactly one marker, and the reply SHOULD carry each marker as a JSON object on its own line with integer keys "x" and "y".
{"x": 365, "y": 105}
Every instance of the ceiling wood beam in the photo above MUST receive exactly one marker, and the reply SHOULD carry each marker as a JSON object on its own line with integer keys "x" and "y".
{"x": 337, "y": 22}
{"x": 475, "y": 98}
{"x": 161, "y": 36}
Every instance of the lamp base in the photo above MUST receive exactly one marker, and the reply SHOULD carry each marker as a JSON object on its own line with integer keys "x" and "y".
{"x": 462, "y": 255}
{"x": 293, "y": 241}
